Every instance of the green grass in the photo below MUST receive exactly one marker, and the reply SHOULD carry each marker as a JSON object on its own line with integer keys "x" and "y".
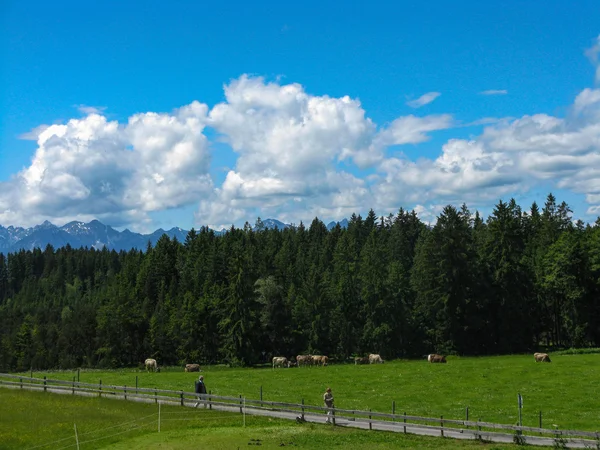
{"x": 565, "y": 390}
{"x": 30, "y": 419}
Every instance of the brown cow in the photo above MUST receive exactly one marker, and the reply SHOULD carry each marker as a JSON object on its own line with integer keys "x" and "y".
{"x": 541, "y": 357}
{"x": 304, "y": 360}
{"x": 320, "y": 360}
{"x": 375, "y": 359}
{"x": 192, "y": 367}
{"x": 434, "y": 358}
{"x": 361, "y": 360}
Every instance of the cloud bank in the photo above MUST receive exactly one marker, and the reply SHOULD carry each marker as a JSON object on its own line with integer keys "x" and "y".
{"x": 298, "y": 156}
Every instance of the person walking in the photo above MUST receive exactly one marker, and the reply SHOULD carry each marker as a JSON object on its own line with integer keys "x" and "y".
{"x": 200, "y": 389}
{"x": 328, "y": 399}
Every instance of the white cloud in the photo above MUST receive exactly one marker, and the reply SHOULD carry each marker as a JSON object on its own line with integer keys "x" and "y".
{"x": 413, "y": 130}
{"x": 423, "y": 100}
{"x": 94, "y": 168}
{"x": 298, "y": 156}
{"x": 494, "y": 92}
{"x": 586, "y": 98}
{"x": 429, "y": 213}
{"x": 290, "y": 146}
{"x": 507, "y": 158}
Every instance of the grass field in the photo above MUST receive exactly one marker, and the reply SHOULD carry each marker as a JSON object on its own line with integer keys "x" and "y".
{"x": 565, "y": 390}
{"x": 31, "y": 419}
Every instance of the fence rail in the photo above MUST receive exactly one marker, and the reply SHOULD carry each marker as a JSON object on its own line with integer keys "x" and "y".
{"x": 183, "y": 398}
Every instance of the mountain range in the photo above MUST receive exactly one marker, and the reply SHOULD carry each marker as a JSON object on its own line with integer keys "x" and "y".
{"x": 97, "y": 235}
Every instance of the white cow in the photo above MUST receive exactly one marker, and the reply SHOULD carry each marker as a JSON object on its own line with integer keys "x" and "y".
{"x": 151, "y": 364}
{"x": 375, "y": 359}
{"x": 280, "y": 361}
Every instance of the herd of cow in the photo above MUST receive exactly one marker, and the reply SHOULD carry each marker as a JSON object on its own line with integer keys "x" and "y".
{"x": 320, "y": 360}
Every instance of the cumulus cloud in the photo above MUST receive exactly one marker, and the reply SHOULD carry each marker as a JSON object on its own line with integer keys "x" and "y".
{"x": 423, "y": 100}
{"x": 95, "y": 168}
{"x": 494, "y": 92}
{"x": 290, "y": 146}
{"x": 509, "y": 157}
{"x": 298, "y": 155}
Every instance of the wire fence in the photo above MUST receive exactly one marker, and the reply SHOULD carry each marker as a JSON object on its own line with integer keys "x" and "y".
{"x": 303, "y": 412}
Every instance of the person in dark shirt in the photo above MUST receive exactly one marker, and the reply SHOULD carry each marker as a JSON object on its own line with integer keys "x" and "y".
{"x": 200, "y": 390}
{"x": 328, "y": 400}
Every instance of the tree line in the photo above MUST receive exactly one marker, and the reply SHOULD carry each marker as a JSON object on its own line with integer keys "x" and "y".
{"x": 515, "y": 282}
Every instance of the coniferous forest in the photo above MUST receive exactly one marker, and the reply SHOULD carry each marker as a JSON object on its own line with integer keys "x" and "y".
{"x": 518, "y": 281}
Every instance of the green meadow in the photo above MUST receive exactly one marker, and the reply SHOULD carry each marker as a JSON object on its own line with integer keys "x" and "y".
{"x": 47, "y": 421}
{"x": 566, "y": 390}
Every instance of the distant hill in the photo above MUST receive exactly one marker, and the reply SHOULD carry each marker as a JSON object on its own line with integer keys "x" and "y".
{"x": 343, "y": 224}
{"x": 97, "y": 235}
{"x": 79, "y": 234}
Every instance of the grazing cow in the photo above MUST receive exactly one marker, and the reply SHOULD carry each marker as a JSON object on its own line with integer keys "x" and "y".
{"x": 433, "y": 358}
{"x": 280, "y": 361}
{"x": 361, "y": 360}
{"x": 320, "y": 360}
{"x": 541, "y": 357}
{"x": 192, "y": 367}
{"x": 304, "y": 360}
{"x": 151, "y": 364}
{"x": 375, "y": 359}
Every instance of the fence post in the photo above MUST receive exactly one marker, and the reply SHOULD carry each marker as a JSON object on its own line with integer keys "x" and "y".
{"x": 467, "y": 416}
{"x": 209, "y": 400}
{"x": 302, "y": 409}
{"x": 31, "y": 372}
{"x": 540, "y": 421}
{"x": 100, "y": 389}
{"x": 44, "y": 383}
{"x": 181, "y": 396}
{"x": 404, "y": 422}
{"x": 21, "y": 381}
{"x": 155, "y": 395}
{"x": 78, "y": 375}
{"x": 394, "y": 410}
{"x": 240, "y": 404}
{"x": 261, "y": 395}
{"x": 125, "y": 391}
{"x": 76, "y": 436}
{"x": 136, "y": 383}
{"x": 370, "y": 423}
{"x": 73, "y": 385}
{"x": 442, "y": 425}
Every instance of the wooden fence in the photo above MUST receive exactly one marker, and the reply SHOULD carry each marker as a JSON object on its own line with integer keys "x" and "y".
{"x": 395, "y": 422}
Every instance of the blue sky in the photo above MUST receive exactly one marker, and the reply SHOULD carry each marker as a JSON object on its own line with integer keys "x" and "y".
{"x": 103, "y": 63}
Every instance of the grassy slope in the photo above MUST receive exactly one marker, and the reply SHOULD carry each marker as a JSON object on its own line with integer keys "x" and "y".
{"x": 564, "y": 390}
{"x": 29, "y": 419}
